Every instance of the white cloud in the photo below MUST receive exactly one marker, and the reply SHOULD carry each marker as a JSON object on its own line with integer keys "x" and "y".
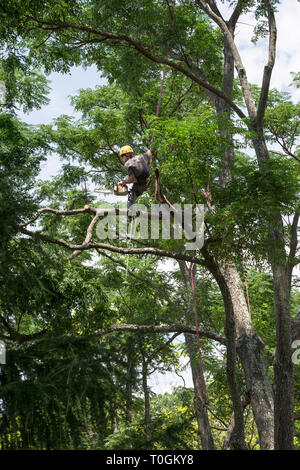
{"x": 255, "y": 56}
{"x": 164, "y": 383}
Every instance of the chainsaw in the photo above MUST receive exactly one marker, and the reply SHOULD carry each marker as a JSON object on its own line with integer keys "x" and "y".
{"x": 119, "y": 190}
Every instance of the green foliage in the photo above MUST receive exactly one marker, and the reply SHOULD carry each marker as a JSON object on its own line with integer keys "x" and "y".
{"x": 25, "y": 88}
{"x": 296, "y": 79}
{"x": 56, "y": 394}
{"x": 21, "y": 152}
{"x": 63, "y": 387}
{"x": 172, "y": 422}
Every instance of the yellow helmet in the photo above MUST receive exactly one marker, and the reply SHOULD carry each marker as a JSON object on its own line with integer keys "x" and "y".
{"x": 125, "y": 149}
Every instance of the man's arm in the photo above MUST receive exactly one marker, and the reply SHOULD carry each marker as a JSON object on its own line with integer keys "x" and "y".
{"x": 131, "y": 179}
{"x": 149, "y": 155}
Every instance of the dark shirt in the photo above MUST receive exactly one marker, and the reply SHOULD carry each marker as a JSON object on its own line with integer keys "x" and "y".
{"x": 139, "y": 166}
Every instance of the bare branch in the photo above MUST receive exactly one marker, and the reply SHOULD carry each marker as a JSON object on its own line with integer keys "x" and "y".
{"x": 58, "y": 212}
{"x": 162, "y": 346}
{"x": 284, "y": 148}
{"x": 88, "y": 237}
{"x": 115, "y": 249}
{"x": 148, "y": 329}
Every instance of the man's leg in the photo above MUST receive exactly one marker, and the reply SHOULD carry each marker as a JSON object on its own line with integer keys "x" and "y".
{"x": 137, "y": 190}
{"x": 131, "y": 199}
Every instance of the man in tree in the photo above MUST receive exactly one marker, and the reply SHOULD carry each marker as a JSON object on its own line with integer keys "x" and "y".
{"x": 138, "y": 169}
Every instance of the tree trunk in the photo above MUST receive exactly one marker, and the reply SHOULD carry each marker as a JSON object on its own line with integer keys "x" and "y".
{"x": 115, "y": 419}
{"x": 248, "y": 341}
{"x": 250, "y": 348}
{"x": 200, "y": 393}
{"x": 129, "y": 379}
{"x": 229, "y": 441}
{"x": 236, "y": 436}
{"x": 207, "y": 441}
{"x": 147, "y": 404}
{"x": 283, "y": 366}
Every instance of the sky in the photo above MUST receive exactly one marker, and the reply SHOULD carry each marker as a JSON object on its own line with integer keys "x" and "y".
{"x": 254, "y": 58}
{"x": 288, "y": 41}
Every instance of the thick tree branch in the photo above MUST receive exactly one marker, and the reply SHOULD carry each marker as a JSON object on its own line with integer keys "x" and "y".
{"x": 90, "y": 244}
{"x": 48, "y": 26}
{"x": 148, "y": 329}
{"x": 294, "y": 236}
{"x": 214, "y": 8}
{"x": 88, "y": 237}
{"x": 236, "y": 14}
{"x": 58, "y": 212}
{"x": 112, "y": 248}
{"x": 19, "y": 337}
{"x": 177, "y": 329}
{"x": 237, "y": 58}
{"x": 269, "y": 67}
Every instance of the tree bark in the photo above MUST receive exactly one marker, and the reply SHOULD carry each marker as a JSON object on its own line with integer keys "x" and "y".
{"x": 147, "y": 403}
{"x": 250, "y": 349}
{"x": 236, "y": 434}
{"x": 235, "y": 438}
{"x": 129, "y": 380}
{"x": 230, "y": 442}
{"x": 200, "y": 393}
{"x": 283, "y": 365}
{"x": 206, "y": 437}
